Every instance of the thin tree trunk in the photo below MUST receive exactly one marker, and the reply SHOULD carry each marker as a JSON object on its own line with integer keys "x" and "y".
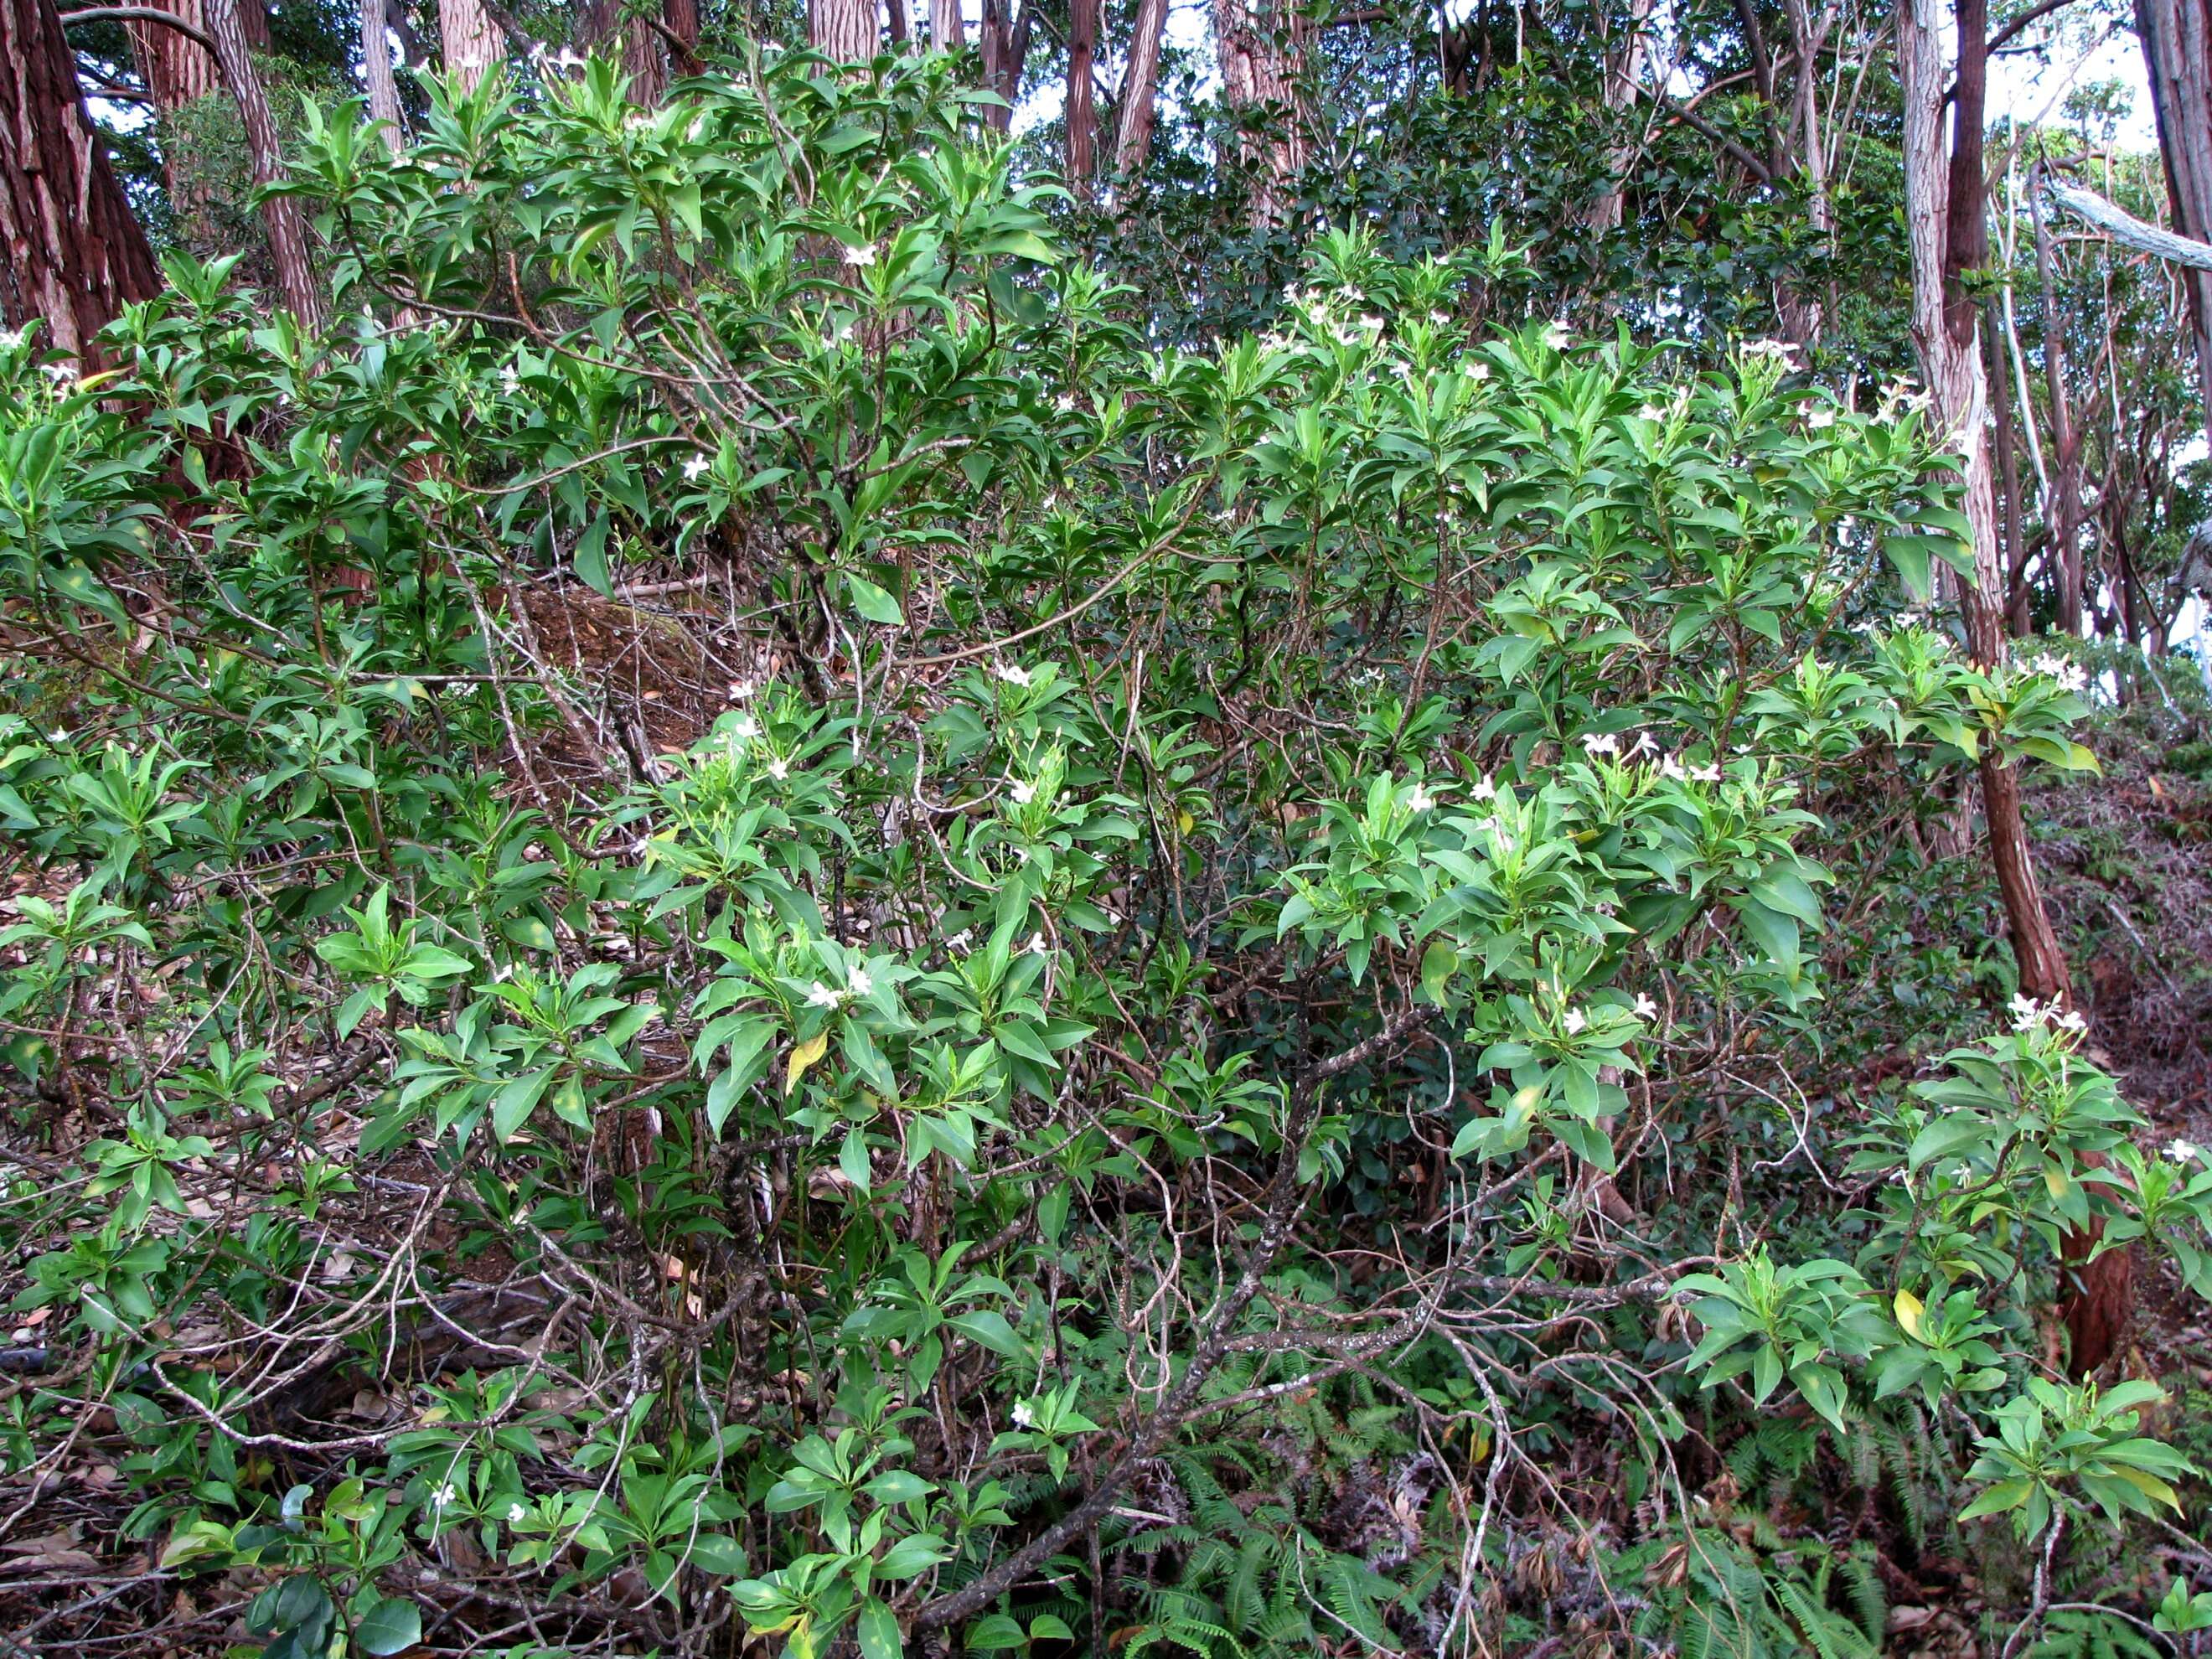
{"x": 847, "y": 30}
{"x": 948, "y": 30}
{"x": 470, "y": 41}
{"x": 1948, "y": 236}
{"x": 2065, "y": 509}
{"x": 2177, "y": 45}
{"x": 1624, "y": 79}
{"x": 383, "y": 86}
{"x": 1802, "y": 316}
{"x": 73, "y": 254}
{"x": 2012, "y": 511}
{"x": 1141, "y": 89}
{"x": 1081, "y": 105}
{"x": 280, "y": 214}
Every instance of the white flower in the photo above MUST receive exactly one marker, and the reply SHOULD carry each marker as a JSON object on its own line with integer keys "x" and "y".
{"x": 1483, "y": 789}
{"x": 1706, "y": 774}
{"x": 742, "y": 690}
{"x": 2184, "y": 1152}
{"x": 960, "y": 941}
{"x": 1420, "y": 800}
{"x": 1011, "y": 674}
{"x": 566, "y": 59}
{"x": 1479, "y": 371}
{"x": 779, "y": 768}
{"x": 1024, "y": 793}
{"x": 2028, "y": 1013}
{"x": 1037, "y": 946}
{"x": 1645, "y": 744}
{"x": 510, "y": 379}
{"x": 1023, "y": 1416}
{"x": 864, "y": 255}
{"x": 515, "y": 1513}
{"x": 1821, "y": 418}
{"x": 858, "y": 982}
{"x": 1575, "y": 1021}
{"x": 443, "y": 1496}
{"x": 1557, "y": 334}
{"x": 745, "y": 728}
{"x": 1652, "y": 413}
{"x": 1645, "y": 1007}
{"x": 1371, "y": 323}
{"x": 12, "y": 338}
{"x": 696, "y": 468}
{"x": 824, "y": 996}
{"x": 58, "y": 735}
{"x": 1600, "y": 742}
{"x": 1671, "y": 768}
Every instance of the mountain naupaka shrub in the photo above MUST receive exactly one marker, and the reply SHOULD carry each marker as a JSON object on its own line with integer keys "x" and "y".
{"x": 1161, "y": 800}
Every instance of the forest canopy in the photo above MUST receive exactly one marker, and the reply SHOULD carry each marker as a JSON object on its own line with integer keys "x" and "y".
{"x": 901, "y": 833}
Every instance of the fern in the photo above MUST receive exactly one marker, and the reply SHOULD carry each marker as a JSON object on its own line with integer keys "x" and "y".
{"x": 1862, "y": 1584}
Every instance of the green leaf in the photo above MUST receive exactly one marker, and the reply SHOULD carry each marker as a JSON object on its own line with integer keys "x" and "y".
{"x": 389, "y": 1626}
{"x": 873, "y": 601}
{"x": 878, "y": 1631}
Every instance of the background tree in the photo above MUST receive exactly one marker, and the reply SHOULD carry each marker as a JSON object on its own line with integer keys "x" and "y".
{"x": 74, "y": 254}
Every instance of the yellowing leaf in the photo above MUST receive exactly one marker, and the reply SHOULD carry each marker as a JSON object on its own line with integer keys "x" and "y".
{"x": 803, "y": 1056}
{"x": 2150, "y": 1485}
{"x": 1184, "y": 822}
{"x": 1910, "y": 1308}
{"x": 2056, "y": 1181}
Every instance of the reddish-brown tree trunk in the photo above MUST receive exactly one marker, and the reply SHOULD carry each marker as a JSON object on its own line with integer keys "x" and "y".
{"x": 382, "y": 84}
{"x": 2177, "y": 45}
{"x": 1259, "y": 52}
{"x": 847, "y": 30}
{"x": 470, "y": 41}
{"x": 644, "y": 57}
{"x": 178, "y": 71}
{"x": 948, "y": 30}
{"x": 70, "y": 252}
{"x": 1946, "y": 228}
{"x": 1141, "y": 89}
{"x": 280, "y": 214}
{"x": 1081, "y": 104}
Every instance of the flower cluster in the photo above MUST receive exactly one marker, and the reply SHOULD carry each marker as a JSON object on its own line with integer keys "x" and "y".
{"x": 2029, "y": 1015}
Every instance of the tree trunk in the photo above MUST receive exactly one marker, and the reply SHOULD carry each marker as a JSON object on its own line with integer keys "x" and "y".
{"x": 383, "y": 86}
{"x": 1624, "y": 80}
{"x": 1947, "y": 230}
{"x": 948, "y": 30}
{"x": 74, "y": 254}
{"x": 847, "y": 30}
{"x": 1004, "y": 35}
{"x": 178, "y": 71}
{"x": 286, "y": 224}
{"x": 2064, "y": 509}
{"x": 2012, "y": 514}
{"x": 2177, "y": 44}
{"x": 470, "y": 40}
{"x": 1081, "y": 105}
{"x": 607, "y": 23}
{"x": 1141, "y": 89}
{"x": 1803, "y": 314}
{"x": 1259, "y": 55}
